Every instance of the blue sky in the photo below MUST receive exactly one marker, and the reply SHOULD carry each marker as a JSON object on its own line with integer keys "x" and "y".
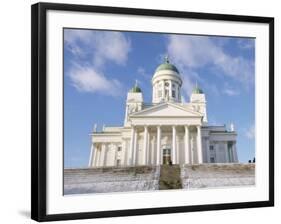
{"x": 101, "y": 66}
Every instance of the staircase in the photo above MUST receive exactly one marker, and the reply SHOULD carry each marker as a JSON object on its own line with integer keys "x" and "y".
{"x": 170, "y": 177}
{"x": 151, "y": 178}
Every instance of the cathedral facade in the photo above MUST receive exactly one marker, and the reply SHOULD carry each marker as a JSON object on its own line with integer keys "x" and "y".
{"x": 165, "y": 131}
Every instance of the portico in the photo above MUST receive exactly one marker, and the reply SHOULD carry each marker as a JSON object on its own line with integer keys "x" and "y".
{"x": 170, "y": 131}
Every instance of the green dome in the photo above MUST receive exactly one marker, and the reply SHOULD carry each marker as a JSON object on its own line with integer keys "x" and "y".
{"x": 167, "y": 66}
{"x": 136, "y": 88}
{"x": 197, "y": 90}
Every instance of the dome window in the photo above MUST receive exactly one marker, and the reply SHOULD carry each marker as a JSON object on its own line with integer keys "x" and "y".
{"x": 173, "y": 93}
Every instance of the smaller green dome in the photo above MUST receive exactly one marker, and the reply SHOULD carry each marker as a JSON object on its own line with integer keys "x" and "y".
{"x": 136, "y": 88}
{"x": 167, "y": 66}
{"x": 197, "y": 90}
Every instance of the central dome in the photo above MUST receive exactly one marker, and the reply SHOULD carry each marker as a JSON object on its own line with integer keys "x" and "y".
{"x": 167, "y": 66}
{"x": 166, "y": 83}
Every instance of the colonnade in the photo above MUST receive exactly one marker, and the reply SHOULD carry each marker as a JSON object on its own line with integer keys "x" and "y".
{"x": 187, "y": 149}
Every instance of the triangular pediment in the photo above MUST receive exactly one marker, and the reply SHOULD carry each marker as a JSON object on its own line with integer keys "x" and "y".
{"x": 167, "y": 110}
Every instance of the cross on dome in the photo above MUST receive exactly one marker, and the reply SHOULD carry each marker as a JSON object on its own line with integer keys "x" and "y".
{"x": 166, "y": 59}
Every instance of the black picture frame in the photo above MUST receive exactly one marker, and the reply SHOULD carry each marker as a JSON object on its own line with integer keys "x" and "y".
{"x": 39, "y": 108}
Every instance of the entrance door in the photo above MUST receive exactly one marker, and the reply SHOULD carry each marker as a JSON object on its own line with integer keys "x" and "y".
{"x": 166, "y": 156}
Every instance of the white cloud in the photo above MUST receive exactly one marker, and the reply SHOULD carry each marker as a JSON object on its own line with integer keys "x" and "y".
{"x": 142, "y": 72}
{"x": 250, "y": 133}
{"x": 102, "y": 46}
{"x": 93, "y": 49}
{"x": 246, "y": 43}
{"x": 195, "y": 52}
{"x": 188, "y": 84}
{"x": 87, "y": 79}
{"x": 230, "y": 92}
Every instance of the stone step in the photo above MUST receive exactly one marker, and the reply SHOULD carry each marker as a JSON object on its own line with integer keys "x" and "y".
{"x": 110, "y": 179}
{"x": 170, "y": 177}
{"x": 164, "y": 177}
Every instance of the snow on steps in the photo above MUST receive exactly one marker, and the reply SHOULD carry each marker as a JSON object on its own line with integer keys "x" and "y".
{"x": 217, "y": 175}
{"x": 147, "y": 178}
{"x": 111, "y": 179}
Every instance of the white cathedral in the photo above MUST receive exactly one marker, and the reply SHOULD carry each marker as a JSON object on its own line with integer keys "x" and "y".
{"x": 166, "y": 131}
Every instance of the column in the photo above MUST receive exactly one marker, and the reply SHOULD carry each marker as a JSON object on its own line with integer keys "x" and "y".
{"x": 186, "y": 145}
{"x": 145, "y": 145}
{"x": 227, "y": 155}
{"x": 130, "y": 158}
{"x": 91, "y": 156}
{"x": 158, "y": 159}
{"x": 98, "y": 155}
{"x": 94, "y": 161}
{"x": 230, "y": 153}
{"x": 170, "y": 90}
{"x": 135, "y": 156}
{"x": 177, "y": 149}
{"x": 235, "y": 157}
{"x": 177, "y": 94}
{"x": 152, "y": 151}
{"x": 101, "y": 158}
{"x": 124, "y": 153}
{"x": 192, "y": 149}
{"x": 105, "y": 154}
{"x": 163, "y": 89}
{"x": 174, "y": 145}
{"x": 115, "y": 153}
{"x": 148, "y": 147}
{"x": 199, "y": 145}
{"x": 208, "y": 150}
